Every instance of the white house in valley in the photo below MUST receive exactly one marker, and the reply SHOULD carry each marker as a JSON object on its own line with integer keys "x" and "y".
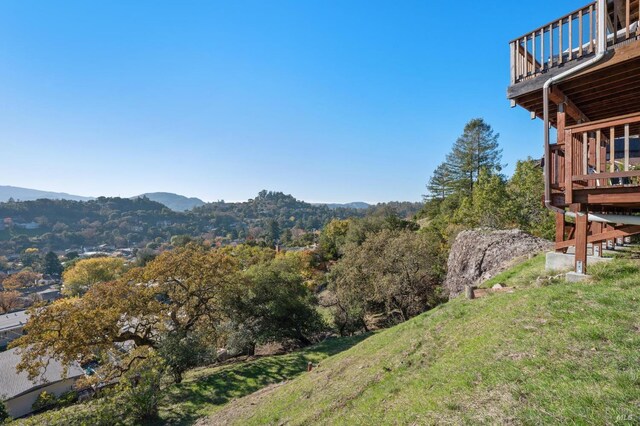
{"x": 19, "y": 393}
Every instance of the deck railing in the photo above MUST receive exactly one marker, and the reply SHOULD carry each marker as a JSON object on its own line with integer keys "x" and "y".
{"x": 571, "y": 37}
{"x": 586, "y": 158}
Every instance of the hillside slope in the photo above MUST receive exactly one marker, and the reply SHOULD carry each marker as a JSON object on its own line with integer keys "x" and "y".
{"x": 556, "y": 353}
{"x": 27, "y": 194}
{"x": 175, "y": 202}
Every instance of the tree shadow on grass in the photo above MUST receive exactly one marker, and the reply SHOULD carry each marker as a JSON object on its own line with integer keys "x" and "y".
{"x": 197, "y": 397}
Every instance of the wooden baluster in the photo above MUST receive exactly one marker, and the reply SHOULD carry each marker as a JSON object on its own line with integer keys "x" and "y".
{"x": 570, "y": 37}
{"x": 585, "y": 153}
{"x": 591, "y": 29}
{"x": 627, "y": 12}
{"x": 598, "y": 155}
{"x": 560, "y": 55}
{"x": 593, "y": 153}
{"x": 568, "y": 168}
{"x": 513, "y": 62}
{"x": 533, "y": 52}
{"x": 524, "y": 58}
{"x": 580, "y": 33}
{"x": 551, "y": 45}
{"x": 561, "y": 118}
{"x": 542, "y": 61}
{"x": 626, "y": 147}
{"x": 612, "y": 149}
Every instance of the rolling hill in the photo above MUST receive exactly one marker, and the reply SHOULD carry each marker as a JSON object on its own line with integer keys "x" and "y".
{"x": 27, "y": 194}
{"x": 175, "y": 202}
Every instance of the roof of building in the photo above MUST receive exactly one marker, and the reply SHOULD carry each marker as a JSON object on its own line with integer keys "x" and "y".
{"x": 13, "y": 320}
{"x": 14, "y": 383}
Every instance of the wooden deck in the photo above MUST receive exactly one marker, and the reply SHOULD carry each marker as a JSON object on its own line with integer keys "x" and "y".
{"x": 594, "y": 165}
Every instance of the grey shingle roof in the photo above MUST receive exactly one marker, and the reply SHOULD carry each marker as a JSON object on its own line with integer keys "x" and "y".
{"x": 13, "y": 384}
{"x": 12, "y": 320}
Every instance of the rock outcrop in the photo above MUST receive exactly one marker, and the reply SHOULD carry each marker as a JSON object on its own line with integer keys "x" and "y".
{"x": 480, "y": 254}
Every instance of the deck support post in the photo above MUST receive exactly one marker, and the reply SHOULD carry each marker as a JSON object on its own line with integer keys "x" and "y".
{"x": 581, "y": 237}
{"x": 560, "y": 231}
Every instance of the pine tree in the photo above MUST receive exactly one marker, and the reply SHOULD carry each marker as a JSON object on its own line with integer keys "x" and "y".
{"x": 475, "y": 150}
{"x": 440, "y": 184}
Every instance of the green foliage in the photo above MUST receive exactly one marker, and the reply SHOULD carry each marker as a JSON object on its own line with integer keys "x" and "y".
{"x": 526, "y": 189}
{"x": 181, "y": 351}
{"x": 121, "y": 222}
{"x": 488, "y": 204}
{"x": 393, "y": 273}
{"x": 181, "y": 240}
{"x": 476, "y": 149}
{"x": 468, "y": 191}
{"x": 52, "y": 265}
{"x": 30, "y": 258}
{"x": 273, "y": 305}
{"x": 141, "y": 389}
{"x": 4, "y": 414}
{"x": 441, "y": 183}
{"x": 43, "y": 401}
{"x": 333, "y": 238}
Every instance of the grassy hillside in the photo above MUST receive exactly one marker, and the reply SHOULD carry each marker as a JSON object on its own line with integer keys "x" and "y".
{"x": 552, "y": 353}
{"x": 203, "y": 390}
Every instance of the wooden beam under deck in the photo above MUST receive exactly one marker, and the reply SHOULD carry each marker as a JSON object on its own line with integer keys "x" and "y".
{"x": 624, "y": 231}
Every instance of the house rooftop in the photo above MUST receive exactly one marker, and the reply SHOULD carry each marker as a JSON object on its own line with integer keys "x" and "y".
{"x": 14, "y": 383}
{"x": 13, "y": 320}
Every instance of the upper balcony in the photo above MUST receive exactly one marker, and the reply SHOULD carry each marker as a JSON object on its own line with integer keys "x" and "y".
{"x": 565, "y": 42}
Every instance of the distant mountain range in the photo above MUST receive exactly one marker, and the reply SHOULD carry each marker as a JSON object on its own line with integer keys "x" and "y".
{"x": 26, "y": 194}
{"x": 175, "y": 202}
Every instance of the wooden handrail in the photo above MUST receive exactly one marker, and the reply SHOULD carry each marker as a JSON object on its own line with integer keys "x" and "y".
{"x": 554, "y": 23}
{"x": 549, "y": 46}
{"x": 607, "y": 122}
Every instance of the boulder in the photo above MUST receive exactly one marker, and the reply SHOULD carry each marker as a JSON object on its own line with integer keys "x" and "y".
{"x": 480, "y": 254}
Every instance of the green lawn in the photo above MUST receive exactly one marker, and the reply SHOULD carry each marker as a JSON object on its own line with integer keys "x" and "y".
{"x": 206, "y": 390}
{"x": 552, "y": 353}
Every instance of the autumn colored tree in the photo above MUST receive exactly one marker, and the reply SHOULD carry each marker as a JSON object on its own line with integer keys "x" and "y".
{"x": 9, "y": 300}
{"x": 333, "y": 238}
{"x": 180, "y": 291}
{"x": 30, "y": 258}
{"x": 24, "y": 278}
{"x": 88, "y": 272}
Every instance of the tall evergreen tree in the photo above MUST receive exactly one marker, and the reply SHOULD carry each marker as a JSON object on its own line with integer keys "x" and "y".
{"x": 475, "y": 150}
{"x": 52, "y": 265}
{"x": 440, "y": 184}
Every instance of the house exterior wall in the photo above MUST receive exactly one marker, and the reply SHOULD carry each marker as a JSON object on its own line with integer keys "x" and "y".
{"x": 21, "y": 405}
{"x": 8, "y": 335}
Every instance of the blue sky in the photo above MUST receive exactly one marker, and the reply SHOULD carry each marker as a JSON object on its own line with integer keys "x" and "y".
{"x": 326, "y": 100}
